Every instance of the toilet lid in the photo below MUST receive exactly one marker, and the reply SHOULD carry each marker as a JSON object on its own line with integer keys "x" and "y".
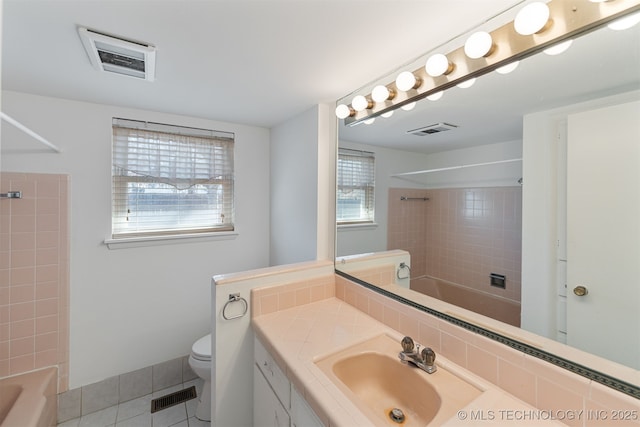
{"x": 201, "y": 349}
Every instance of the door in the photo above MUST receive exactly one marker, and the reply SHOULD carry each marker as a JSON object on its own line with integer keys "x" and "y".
{"x": 603, "y": 232}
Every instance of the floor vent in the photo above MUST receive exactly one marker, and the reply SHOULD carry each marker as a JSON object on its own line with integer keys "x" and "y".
{"x": 172, "y": 399}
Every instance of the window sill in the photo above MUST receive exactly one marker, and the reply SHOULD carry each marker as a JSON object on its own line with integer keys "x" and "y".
{"x": 138, "y": 242}
{"x": 364, "y": 226}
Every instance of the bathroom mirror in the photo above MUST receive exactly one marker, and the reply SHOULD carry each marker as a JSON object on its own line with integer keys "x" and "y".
{"x": 482, "y": 127}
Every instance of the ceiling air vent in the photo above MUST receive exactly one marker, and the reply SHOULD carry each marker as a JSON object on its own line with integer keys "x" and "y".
{"x": 120, "y": 56}
{"x": 431, "y": 129}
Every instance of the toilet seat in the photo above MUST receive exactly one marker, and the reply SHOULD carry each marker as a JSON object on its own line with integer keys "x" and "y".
{"x": 201, "y": 349}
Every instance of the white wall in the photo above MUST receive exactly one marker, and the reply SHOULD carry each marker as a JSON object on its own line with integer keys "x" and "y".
{"x": 294, "y": 183}
{"x": 135, "y": 307}
{"x": 362, "y": 239}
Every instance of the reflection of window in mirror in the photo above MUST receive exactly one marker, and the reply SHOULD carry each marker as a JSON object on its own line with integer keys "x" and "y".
{"x": 355, "y": 187}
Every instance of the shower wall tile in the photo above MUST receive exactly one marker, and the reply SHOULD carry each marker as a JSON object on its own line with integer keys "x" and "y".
{"x": 461, "y": 235}
{"x": 34, "y": 275}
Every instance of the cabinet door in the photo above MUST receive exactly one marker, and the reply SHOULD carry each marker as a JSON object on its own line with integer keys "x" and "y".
{"x": 274, "y": 375}
{"x": 301, "y": 413}
{"x": 267, "y": 409}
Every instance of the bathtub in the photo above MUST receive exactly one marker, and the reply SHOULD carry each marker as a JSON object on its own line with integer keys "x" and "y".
{"x": 493, "y": 306}
{"x": 29, "y": 400}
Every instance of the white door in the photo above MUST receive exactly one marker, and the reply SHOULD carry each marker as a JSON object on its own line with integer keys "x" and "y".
{"x": 603, "y": 232}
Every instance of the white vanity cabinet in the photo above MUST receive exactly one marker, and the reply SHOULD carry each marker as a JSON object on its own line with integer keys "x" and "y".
{"x": 267, "y": 409}
{"x": 301, "y": 413}
{"x": 276, "y": 402}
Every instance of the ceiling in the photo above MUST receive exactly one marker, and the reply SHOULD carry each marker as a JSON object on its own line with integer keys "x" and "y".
{"x": 257, "y": 62}
{"x": 601, "y": 63}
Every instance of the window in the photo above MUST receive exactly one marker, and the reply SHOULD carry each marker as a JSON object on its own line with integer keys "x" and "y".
{"x": 356, "y": 177}
{"x": 169, "y": 180}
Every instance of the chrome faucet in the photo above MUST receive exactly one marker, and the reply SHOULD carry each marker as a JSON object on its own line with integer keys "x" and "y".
{"x": 411, "y": 353}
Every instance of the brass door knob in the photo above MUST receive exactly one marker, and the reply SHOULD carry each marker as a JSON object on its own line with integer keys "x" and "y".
{"x": 580, "y": 291}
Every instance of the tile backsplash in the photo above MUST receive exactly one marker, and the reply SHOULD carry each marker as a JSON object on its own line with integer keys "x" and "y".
{"x": 34, "y": 275}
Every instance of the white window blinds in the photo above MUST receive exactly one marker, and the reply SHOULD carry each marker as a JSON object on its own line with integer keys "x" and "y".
{"x": 170, "y": 180}
{"x": 356, "y": 185}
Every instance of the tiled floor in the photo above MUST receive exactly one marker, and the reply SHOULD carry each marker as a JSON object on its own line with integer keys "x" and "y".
{"x": 137, "y": 413}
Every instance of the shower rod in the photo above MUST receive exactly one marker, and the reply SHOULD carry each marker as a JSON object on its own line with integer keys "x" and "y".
{"x": 414, "y": 198}
{"x": 11, "y": 195}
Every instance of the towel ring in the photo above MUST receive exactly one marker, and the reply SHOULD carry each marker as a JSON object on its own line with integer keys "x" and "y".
{"x": 402, "y": 266}
{"x": 234, "y": 298}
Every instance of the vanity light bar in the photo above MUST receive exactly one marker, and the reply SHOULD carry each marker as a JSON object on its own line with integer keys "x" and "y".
{"x": 565, "y": 20}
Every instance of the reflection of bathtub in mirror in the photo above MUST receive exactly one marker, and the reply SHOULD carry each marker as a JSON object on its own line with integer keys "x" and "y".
{"x": 502, "y": 309}
{"x": 381, "y": 270}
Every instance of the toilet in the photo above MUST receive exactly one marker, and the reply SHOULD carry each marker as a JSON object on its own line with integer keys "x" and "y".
{"x": 200, "y": 362}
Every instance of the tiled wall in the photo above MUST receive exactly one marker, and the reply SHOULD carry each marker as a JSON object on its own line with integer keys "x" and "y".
{"x": 538, "y": 383}
{"x": 34, "y": 275}
{"x": 461, "y": 234}
{"x": 407, "y": 226}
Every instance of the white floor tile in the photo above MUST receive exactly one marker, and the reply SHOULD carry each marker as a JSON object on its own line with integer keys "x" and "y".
{"x": 137, "y": 412}
{"x": 191, "y": 407}
{"x": 170, "y": 416}
{"x": 102, "y": 418}
{"x": 71, "y": 423}
{"x": 142, "y": 420}
{"x": 194, "y": 422}
{"x": 134, "y": 408}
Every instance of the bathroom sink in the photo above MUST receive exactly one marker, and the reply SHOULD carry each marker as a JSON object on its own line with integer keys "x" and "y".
{"x": 391, "y": 393}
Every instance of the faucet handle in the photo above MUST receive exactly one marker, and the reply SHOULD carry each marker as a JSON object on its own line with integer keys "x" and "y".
{"x": 407, "y": 344}
{"x": 428, "y": 356}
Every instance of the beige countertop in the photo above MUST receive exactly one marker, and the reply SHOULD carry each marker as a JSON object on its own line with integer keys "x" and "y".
{"x": 299, "y": 336}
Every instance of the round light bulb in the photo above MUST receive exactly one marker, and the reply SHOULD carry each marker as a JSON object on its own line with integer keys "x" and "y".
{"x": 359, "y": 103}
{"x": 506, "y": 69}
{"x": 559, "y": 48}
{"x": 435, "y": 96}
{"x": 625, "y": 22}
{"x": 466, "y": 84}
{"x": 406, "y": 81}
{"x": 532, "y": 18}
{"x": 409, "y": 107}
{"x": 380, "y": 93}
{"x": 478, "y": 45}
{"x": 387, "y": 114}
{"x": 343, "y": 111}
{"x": 370, "y": 121}
{"x": 438, "y": 65}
